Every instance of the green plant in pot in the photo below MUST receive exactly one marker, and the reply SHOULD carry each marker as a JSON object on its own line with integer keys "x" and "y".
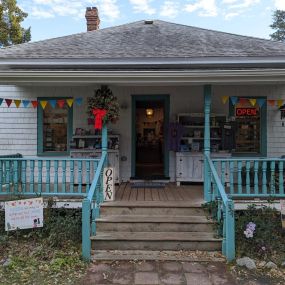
{"x": 104, "y": 98}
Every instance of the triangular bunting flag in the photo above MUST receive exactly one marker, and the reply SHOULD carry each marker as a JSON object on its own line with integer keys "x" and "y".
{"x": 78, "y": 101}
{"x": 69, "y": 102}
{"x": 17, "y": 103}
{"x": 1, "y": 100}
{"x": 271, "y": 102}
{"x": 279, "y": 103}
{"x": 35, "y": 104}
{"x": 43, "y": 103}
{"x": 8, "y": 102}
{"x": 225, "y": 99}
{"x": 243, "y": 101}
{"x": 60, "y": 103}
{"x": 26, "y": 103}
{"x": 234, "y": 100}
{"x": 260, "y": 102}
{"x": 252, "y": 102}
{"x": 52, "y": 103}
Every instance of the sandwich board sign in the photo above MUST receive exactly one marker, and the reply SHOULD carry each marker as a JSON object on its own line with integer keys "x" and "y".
{"x": 24, "y": 214}
{"x": 108, "y": 184}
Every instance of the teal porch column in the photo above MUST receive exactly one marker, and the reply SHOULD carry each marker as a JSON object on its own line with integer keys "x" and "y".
{"x": 207, "y": 144}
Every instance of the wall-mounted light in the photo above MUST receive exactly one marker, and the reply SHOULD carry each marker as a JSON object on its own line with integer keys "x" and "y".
{"x": 149, "y": 112}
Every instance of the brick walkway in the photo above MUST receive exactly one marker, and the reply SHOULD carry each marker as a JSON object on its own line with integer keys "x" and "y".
{"x": 158, "y": 272}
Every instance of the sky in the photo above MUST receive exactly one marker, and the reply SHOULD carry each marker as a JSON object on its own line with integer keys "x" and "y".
{"x": 55, "y": 18}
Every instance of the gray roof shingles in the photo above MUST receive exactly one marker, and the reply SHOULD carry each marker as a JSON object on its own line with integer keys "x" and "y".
{"x": 139, "y": 40}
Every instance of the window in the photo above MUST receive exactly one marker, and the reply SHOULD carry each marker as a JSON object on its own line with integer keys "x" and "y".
{"x": 54, "y": 129}
{"x": 250, "y": 129}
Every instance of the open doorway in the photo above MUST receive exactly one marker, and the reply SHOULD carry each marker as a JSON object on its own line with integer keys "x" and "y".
{"x": 150, "y": 157}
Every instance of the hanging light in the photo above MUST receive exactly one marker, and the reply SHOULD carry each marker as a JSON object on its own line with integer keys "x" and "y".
{"x": 149, "y": 112}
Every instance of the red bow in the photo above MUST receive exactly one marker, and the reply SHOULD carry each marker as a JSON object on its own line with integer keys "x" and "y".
{"x": 99, "y": 115}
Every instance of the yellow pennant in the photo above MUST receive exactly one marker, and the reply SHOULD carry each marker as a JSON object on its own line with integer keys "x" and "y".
{"x": 225, "y": 99}
{"x": 69, "y": 102}
{"x": 252, "y": 102}
{"x": 17, "y": 103}
{"x": 43, "y": 104}
{"x": 279, "y": 103}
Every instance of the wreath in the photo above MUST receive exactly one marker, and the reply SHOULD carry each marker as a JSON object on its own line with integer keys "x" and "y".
{"x": 104, "y": 99}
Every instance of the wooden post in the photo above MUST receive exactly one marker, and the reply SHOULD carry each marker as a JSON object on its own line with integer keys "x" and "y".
{"x": 207, "y": 144}
{"x": 230, "y": 231}
{"x": 86, "y": 242}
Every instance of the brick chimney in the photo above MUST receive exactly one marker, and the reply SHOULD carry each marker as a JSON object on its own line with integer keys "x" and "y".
{"x": 92, "y": 19}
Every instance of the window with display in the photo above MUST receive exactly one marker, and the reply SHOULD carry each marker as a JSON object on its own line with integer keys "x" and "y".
{"x": 54, "y": 129}
{"x": 250, "y": 129}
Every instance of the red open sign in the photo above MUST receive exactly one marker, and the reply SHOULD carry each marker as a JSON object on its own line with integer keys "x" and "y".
{"x": 246, "y": 112}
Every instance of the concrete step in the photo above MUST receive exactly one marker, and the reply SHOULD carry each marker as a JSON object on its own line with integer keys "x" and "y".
{"x": 147, "y": 223}
{"x": 155, "y": 241}
{"x": 166, "y": 255}
{"x": 176, "y": 208}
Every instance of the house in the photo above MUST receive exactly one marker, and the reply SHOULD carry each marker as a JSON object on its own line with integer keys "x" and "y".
{"x": 196, "y": 105}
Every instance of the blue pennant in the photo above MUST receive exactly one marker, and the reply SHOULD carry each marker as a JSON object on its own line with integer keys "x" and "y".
{"x": 26, "y": 103}
{"x": 78, "y": 101}
{"x": 1, "y": 100}
{"x": 52, "y": 103}
{"x": 260, "y": 102}
{"x": 234, "y": 100}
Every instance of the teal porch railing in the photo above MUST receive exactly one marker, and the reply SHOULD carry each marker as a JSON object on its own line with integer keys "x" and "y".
{"x": 252, "y": 177}
{"x": 225, "y": 209}
{"x": 46, "y": 177}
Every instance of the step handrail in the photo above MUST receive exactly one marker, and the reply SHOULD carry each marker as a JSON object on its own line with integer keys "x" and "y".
{"x": 225, "y": 210}
{"x": 90, "y": 208}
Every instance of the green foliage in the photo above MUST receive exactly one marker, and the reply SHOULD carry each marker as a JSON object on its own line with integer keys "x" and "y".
{"x": 104, "y": 99}
{"x": 11, "y": 31}
{"x": 278, "y": 25}
{"x": 268, "y": 241}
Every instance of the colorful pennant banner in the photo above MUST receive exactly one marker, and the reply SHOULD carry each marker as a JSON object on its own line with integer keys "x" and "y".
{"x": 259, "y": 101}
{"x": 43, "y": 103}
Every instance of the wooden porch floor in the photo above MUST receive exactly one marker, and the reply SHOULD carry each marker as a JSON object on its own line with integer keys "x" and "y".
{"x": 171, "y": 192}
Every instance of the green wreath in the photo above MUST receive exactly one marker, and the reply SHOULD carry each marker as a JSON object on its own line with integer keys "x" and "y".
{"x": 104, "y": 99}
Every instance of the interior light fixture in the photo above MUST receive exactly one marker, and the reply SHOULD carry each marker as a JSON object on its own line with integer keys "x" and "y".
{"x": 149, "y": 112}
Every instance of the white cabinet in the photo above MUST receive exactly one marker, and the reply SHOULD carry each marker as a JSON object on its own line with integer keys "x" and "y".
{"x": 190, "y": 166}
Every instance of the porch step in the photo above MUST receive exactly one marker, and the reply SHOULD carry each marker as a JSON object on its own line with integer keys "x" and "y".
{"x": 156, "y": 241}
{"x": 148, "y": 223}
{"x": 175, "y": 208}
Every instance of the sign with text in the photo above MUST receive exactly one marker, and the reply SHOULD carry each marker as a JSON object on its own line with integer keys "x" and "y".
{"x": 24, "y": 214}
{"x": 108, "y": 184}
{"x": 282, "y": 204}
{"x": 246, "y": 112}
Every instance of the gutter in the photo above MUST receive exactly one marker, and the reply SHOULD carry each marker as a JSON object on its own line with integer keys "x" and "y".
{"x": 276, "y": 76}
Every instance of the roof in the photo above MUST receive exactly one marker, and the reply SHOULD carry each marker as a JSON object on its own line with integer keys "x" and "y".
{"x": 160, "y": 40}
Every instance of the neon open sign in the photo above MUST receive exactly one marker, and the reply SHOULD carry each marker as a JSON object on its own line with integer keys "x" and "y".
{"x": 246, "y": 112}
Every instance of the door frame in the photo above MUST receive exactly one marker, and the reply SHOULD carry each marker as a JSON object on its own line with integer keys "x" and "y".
{"x": 166, "y": 104}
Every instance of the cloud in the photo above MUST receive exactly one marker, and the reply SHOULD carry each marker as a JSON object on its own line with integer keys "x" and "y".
{"x": 207, "y": 8}
{"x": 169, "y": 9}
{"x": 229, "y": 16}
{"x": 242, "y": 4}
{"x": 109, "y": 9}
{"x": 142, "y": 6}
{"x": 40, "y": 13}
{"x": 279, "y": 4}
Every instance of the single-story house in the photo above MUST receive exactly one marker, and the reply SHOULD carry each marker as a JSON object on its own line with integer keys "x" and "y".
{"x": 184, "y": 92}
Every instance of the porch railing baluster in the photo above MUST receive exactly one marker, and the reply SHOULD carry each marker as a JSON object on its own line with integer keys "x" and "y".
{"x": 264, "y": 179}
{"x": 87, "y": 164}
{"x": 239, "y": 165}
{"x": 40, "y": 175}
{"x": 8, "y": 176}
{"x": 232, "y": 167}
{"x": 247, "y": 180}
{"x": 56, "y": 176}
{"x": 256, "y": 180}
{"x": 71, "y": 176}
{"x": 24, "y": 175}
{"x": 15, "y": 176}
{"x": 1, "y": 175}
{"x": 63, "y": 163}
{"x": 32, "y": 176}
{"x": 47, "y": 176}
{"x": 272, "y": 177}
{"x": 281, "y": 177}
{"x": 80, "y": 176}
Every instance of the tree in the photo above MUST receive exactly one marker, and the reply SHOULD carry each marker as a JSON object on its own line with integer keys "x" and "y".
{"x": 11, "y": 17}
{"x": 278, "y": 25}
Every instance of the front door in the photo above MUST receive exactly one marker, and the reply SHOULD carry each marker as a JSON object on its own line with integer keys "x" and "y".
{"x": 150, "y": 152}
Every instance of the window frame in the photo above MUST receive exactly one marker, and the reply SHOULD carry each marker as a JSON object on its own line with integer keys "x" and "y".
{"x": 40, "y": 113}
{"x": 263, "y": 128}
